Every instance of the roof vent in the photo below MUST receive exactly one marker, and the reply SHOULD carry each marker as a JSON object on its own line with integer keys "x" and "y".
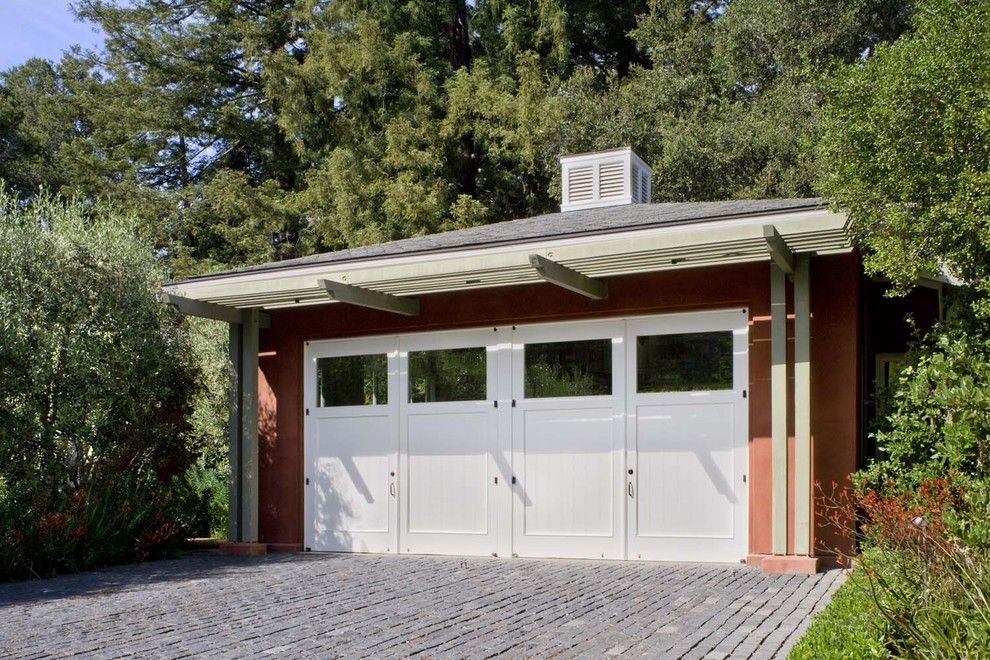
{"x": 604, "y": 178}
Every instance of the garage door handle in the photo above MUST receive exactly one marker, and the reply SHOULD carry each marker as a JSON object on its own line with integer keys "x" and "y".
{"x": 629, "y": 488}
{"x": 391, "y": 489}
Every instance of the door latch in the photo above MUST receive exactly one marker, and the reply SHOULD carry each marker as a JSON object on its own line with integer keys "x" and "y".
{"x": 629, "y": 489}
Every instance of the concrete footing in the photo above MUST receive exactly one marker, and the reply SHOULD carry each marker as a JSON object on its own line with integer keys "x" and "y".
{"x": 786, "y": 564}
{"x": 243, "y": 549}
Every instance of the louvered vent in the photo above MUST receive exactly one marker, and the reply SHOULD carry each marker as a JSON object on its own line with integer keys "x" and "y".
{"x": 580, "y": 184}
{"x": 606, "y": 178}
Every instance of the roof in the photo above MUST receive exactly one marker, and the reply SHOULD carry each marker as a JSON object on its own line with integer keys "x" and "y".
{"x": 596, "y": 243}
{"x": 550, "y": 225}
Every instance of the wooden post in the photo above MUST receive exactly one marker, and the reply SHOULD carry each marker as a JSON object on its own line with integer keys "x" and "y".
{"x": 778, "y": 409}
{"x": 802, "y": 407}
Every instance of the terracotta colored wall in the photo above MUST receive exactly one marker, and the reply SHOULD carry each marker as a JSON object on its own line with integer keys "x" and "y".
{"x": 281, "y": 512}
{"x": 836, "y": 387}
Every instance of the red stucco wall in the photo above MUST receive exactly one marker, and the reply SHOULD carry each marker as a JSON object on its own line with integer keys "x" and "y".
{"x": 835, "y": 304}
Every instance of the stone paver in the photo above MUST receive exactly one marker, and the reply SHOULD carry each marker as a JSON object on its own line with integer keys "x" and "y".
{"x": 381, "y": 606}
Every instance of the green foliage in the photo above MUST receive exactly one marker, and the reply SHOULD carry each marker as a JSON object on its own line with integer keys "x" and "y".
{"x": 96, "y": 382}
{"x": 224, "y": 125}
{"x": 939, "y": 419}
{"x": 905, "y": 148}
{"x": 848, "y": 628}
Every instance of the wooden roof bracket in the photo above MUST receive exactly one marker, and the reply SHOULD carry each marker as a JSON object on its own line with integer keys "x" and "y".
{"x": 208, "y": 310}
{"x": 355, "y": 295}
{"x": 781, "y": 254}
{"x": 568, "y": 278}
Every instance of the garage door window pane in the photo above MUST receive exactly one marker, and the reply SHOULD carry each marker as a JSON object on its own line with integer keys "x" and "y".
{"x": 569, "y": 368}
{"x": 457, "y": 374}
{"x": 352, "y": 380}
{"x": 684, "y": 363}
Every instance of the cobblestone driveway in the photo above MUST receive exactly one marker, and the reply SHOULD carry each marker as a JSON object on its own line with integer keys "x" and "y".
{"x": 387, "y": 606}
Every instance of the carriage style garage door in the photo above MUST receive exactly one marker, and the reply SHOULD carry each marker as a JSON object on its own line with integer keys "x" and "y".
{"x": 624, "y": 438}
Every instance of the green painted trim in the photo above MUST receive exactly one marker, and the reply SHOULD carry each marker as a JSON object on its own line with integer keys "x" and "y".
{"x": 362, "y": 297}
{"x": 234, "y": 430}
{"x": 569, "y": 278}
{"x": 779, "y": 251}
{"x": 249, "y": 427}
{"x": 778, "y": 409}
{"x": 802, "y": 406}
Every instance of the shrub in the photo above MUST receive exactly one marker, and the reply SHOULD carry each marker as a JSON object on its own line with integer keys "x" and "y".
{"x": 928, "y": 585}
{"x": 96, "y": 380}
{"x": 939, "y": 418}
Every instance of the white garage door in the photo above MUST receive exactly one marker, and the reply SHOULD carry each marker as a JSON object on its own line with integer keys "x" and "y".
{"x": 615, "y": 439}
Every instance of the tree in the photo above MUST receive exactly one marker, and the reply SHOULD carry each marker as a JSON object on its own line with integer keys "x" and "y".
{"x": 96, "y": 384}
{"x": 905, "y": 148}
{"x": 731, "y": 96}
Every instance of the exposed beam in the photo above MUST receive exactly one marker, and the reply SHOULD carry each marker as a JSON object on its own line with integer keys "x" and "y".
{"x": 568, "y": 278}
{"x": 208, "y": 310}
{"x": 779, "y": 252}
{"x": 361, "y": 297}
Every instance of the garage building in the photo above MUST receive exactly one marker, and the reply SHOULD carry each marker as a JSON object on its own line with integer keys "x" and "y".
{"x": 619, "y": 380}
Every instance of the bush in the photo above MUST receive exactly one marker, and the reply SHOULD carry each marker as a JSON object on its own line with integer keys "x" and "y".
{"x": 928, "y": 584}
{"x": 939, "y": 420}
{"x": 96, "y": 385}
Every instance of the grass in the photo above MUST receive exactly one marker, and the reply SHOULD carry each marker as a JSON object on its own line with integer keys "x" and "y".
{"x": 848, "y": 627}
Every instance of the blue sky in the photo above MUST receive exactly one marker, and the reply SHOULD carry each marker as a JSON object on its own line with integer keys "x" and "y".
{"x": 39, "y": 28}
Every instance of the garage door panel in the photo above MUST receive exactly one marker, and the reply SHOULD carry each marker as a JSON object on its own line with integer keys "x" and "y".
{"x": 568, "y": 473}
{"x": 351, "y": 479}
{"x": 686, "y": 470}
{"x": 448, "y": 473}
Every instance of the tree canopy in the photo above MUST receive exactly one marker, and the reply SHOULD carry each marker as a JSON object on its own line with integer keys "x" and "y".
{"x": 244, "y": 131}
{"x": 905, "y": 148}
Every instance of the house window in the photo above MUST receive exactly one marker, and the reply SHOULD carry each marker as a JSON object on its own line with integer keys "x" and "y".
{"x": 352, "y": 380}
{"x": 568, "y": 368}
{"x": 458, "y": 374}
{"x": 888, "y": 369}
{"x": 684, "y": 362}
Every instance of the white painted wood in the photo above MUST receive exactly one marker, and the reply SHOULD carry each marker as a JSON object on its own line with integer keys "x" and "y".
{"x": 570, "y": 456}
{"x": 686, "y": 490}
{"x": 448, "y": 458}
{"x": 567, "y": 457}
{"x": 603, "y": 178}
{"x": 351, "y": 456}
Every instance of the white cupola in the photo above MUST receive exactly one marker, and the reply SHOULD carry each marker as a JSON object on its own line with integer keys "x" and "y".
{"x": 604, "y": 178}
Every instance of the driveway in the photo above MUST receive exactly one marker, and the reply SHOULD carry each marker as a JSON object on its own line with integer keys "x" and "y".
{"x": 388, "y": 606}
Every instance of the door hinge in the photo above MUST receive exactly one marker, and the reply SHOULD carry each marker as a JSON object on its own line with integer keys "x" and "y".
{"x": 513, "y": 479}
{"x": 496, "y": 403}
{"x": 496, "y": 481}
{"x": 744, "y": 394}
{"x": 744, "y": 478}
{"x": 307, "y": 411}
{"x": 513, "y": 403}
{"x": 307, "y": 481}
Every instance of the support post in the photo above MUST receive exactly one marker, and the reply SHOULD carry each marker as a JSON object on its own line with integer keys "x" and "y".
{"x": 249, "y": 427}
{"x": 234, "y": 430}
{"x": 802, "y": 407}
{"x": 778, "y": 408}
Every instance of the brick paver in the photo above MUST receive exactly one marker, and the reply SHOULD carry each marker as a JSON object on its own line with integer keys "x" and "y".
{"x": 317, "y": 605}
